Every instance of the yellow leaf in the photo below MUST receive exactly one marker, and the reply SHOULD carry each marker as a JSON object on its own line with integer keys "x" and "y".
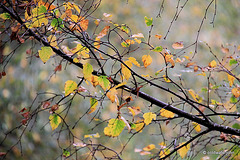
{"x": 45, "y": 53}
{"x": 236, "y": 92}
{"x": 103, "y": 32}
{"x": 112, "y": 95}
{"x": 137, "y": 40}
{"x": 96, "y": 135}
{"x": 114, "y": 128}
{"x": 177, "y": 45}
{"x": 183, "y": 151}
{"x": 194, "y": 95}
{"x": 169, "y": 58}
{"x": 166, "y": 79}
{"x": 97, "y": 43}
{"x": 145, "y": 75}
{"x": 119, "y": 85}
{"x": 69, "y": 87}
{"x": 139, "y": 127}
{"x": 196, "y": 126}
{"x": 147, "y": 60}
{"x": 131, "y": 111}
{"x": 202, "y": 74}
{"x": 93, "y": 104}
{"x": 164, "y": 152}
{"x": 230, "y": 107}
{"x": 133, "y": 60}
{"x": 53, "y": 41}
{"x": 212, "y": 64}
{"x": 162, "y": 144}
{"x": 148, "y": 117}
{"x": 87, "y": 71}
{"x": 55, "y": 120}
{"x": 166, "y": 113}
{"x": 231, "y": 80}
{"x": 149, "y": 147}
{"x": 76, "y": 8}
{"x": 125, "y": 71}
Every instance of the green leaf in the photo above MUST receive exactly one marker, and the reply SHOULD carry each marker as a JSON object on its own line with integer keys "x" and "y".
{"x": 5, "y": 16}
{"x": 57, "y": 22}
{"x": 158, "y": 49}
{"x": 215, "y": 87}
{"x": 93, "y": 104}
{"x": 236, "y": 126}
{"x": 103, "y": 82}
{"x": 233, "y": 99}
{"x": 69, "y": 87}
{"x": 124, "y": 28}
{"x": 204, "y": 89}
{"x": 87, "y": 71}
{"x": 114, "y": 128}
{"x": 148, "y": 21}
{"x": 55, "y": 120}
{"x": 42, "y": 9}
{"x": 66, "y": 153}
{"x": 45, "y": 53}
{"x": 232, "y": 61}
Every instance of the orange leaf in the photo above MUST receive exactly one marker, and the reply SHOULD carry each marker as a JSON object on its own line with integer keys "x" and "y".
{"x": 166, "y": 113}
{"x": 149, "y": 147}
{"x": 147, "y": 60}
{"x": 103, "y": 32}
{"x": 236, "y": 92}
{"x": 158, "y": 36}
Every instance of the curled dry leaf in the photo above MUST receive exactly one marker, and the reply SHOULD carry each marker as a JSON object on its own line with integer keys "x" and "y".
{"x": 178, "y": 45}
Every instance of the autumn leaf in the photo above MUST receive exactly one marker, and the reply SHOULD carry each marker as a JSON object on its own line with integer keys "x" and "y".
{"x": 45, "y": 53}
{"x": 55, "y": 120}
{"x": 194, "y": 95}
{"x": 133, "y": 60}
{"x": 158, "y": 49}
{"x": 166, "y": 79}
{"x": 114, "y": 128}
{"x": 212, "y": 64}
{"x": 236, "y": 92}
{"x": 147, "y": 60}
{"x": 231, "y": 80}
{"x": 87, "y": 71}
{"x": 224, "y": 50}
{"x": 148, "y": 117}
{"x": 148, "y": 21}
{"x": 57, "y": 23}
{"x": 139, "y": 35}
{"x": 69, "y": 87}
{"x": 169, "y": 58}
{"x": 66, "y": 153}
{"x": 125, "y": 71}
{"x": 149, "y": 147}
{"x": 112, "y": 95}
{"x": 103, "y": 32}
{"x": 166, "y": 113}
{"x": 183, "y": 151}
{"x": 196, "y": 126}
{"x": 177, "y": 45}
{"x": 139, "y": 126}
{"x": 104, "y": 82}
{"x": 96, "y": 135}
{"x": 158, "y": 36}
{"x": 53, "y": 41}
{"x": 93, "y": 105}
{"x": 5, "y": 16}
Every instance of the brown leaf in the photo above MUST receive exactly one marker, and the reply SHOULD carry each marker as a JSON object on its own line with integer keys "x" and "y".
{"x": 178, "y": 45}
{"x": 224, "y": 50}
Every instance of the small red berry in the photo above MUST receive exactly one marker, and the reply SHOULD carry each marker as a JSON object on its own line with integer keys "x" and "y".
{"x": 3, "y": 73}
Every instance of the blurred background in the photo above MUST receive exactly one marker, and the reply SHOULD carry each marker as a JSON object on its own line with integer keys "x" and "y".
{"x": 27, "y": 76}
